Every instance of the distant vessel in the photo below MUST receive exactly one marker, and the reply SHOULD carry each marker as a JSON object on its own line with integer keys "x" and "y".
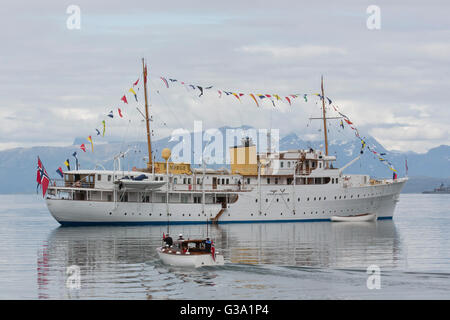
{"x": 285, "y": 186}
{"x": 442, "y": 189}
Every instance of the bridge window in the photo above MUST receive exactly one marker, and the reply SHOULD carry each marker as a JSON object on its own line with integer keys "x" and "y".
{"x": 99, "y": 177}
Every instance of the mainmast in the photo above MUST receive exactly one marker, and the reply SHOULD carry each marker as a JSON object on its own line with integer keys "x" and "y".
{"x": 324, "y": 120}
{"x": 147, "y": 120}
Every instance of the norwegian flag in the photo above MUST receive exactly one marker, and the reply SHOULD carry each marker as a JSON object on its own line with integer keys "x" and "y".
{"x": 42, "y": 177}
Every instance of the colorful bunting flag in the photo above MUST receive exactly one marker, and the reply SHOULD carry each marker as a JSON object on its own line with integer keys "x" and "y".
{"x": 83, "y": 147}
{"x": 135, "y": 84}
{"x": 124, "y": 99}
{"x": 120, "y": 112}
{"x": 251, "y": 95}
{"x": 104, "y": 127}
{"x": 92, "y": 144}
{"x": 289, "y": 100}
{"x": 165, "y": 81}
{"x": 111, "y": 114}
{"x": 134, "y": 93}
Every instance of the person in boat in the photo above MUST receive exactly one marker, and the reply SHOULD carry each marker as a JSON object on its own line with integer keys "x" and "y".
{"x": 208, "y": 245}
{"x": 168, "y": 240}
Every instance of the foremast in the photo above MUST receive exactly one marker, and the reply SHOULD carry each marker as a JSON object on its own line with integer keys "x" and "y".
{"x": 147, "y": 119}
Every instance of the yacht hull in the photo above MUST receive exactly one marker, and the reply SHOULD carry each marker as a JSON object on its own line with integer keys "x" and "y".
{"x": 284, "y": 204}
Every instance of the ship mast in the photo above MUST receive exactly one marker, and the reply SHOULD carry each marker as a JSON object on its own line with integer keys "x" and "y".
{"x": 324, "y": 120}
{"x": 147, "y": 120}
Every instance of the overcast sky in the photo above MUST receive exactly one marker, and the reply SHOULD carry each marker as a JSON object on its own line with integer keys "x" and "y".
{"x": 57, "y": 84}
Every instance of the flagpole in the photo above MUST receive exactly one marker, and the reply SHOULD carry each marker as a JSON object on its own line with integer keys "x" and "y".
{"x": 149, "y": 143}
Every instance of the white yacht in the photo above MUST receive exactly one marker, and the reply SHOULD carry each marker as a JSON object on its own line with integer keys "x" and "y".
{"x": 286, "y": 186}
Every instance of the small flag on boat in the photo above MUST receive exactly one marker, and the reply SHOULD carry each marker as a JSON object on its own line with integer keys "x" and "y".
{"x": 213, "y": 251}
{"x": 76, "y": 160}
{"x": 135, "y": 84}
{"x": 104, "y": 127}
{"x": 83, "y": 147}
{"x": 60, "y": 172}
{"x": 124, "y": 99}
{"x": 42, "y": 177}
{"x": 98, "y": 132}
{"x": 67, "y": 164}
{"x": 120, "y": 112}
{"x": 111, "y": 114}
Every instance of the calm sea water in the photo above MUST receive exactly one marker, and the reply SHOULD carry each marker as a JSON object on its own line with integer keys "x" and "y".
{"x": 305, "y": 260}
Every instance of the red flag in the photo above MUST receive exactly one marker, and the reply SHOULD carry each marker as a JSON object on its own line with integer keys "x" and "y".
{"x": 348, "y": 121}
{"x": 83, "y": 147}
{"x": 213, "y": 251}
{"x": 43, "y": 178}
{"x": 134, "y": 84}
{"x": 289, "y": 100}
{"x": 145, "y": 74}
{"x": 120, "y": 113}
{"x": 124, "y": 99}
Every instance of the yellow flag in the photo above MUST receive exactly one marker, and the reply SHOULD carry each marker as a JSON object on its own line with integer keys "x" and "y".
{"x": 92, "y": 144}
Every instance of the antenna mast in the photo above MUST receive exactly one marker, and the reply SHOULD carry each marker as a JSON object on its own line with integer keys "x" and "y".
{"x": 147, "y": 120}
{"x": 324, "y": 120}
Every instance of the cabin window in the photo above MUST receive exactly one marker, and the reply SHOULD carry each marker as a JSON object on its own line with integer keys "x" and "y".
{"x": 223, "y": 181}
{"x": 289, "y": 164}
{"x": 175, "y": 180}
{"x": 268, "y": 180}
{"x": 248, "y": 180}
{"x": 276, "y": 180}
{"x": 109, "y": 177}
{"x": 228, "y": 181}
{"x": 313, "y": 164}
{"x": 281, "y": 164}
{"x": 332, "y": 180}
{"x": 99, "y": 177}
{"x": 189, "y": 180}
{"x": 184, "y": 180}
{"x": 336, "y": 180}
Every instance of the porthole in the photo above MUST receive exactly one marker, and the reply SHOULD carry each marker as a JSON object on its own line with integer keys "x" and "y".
{"x": 298, "y": 199}
{"x": 110, "y": 213}
{"x": 125, "y": 213}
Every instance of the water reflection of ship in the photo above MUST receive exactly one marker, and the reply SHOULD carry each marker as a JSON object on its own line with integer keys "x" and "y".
{"x": 127, "y": 253}
{"x": 327, "y": 245}
{"x": 300, "y": 244}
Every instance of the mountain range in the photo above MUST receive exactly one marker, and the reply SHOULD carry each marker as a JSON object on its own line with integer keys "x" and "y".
{"x": 18, "y": 165}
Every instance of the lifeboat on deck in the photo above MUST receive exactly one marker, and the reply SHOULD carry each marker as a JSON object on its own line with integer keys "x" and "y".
{"x": 355, "y": 218}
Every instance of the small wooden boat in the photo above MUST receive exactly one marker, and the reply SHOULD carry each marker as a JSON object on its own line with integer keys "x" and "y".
{"x": 355, "y": 218}
{"x": 190, "y": 253}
